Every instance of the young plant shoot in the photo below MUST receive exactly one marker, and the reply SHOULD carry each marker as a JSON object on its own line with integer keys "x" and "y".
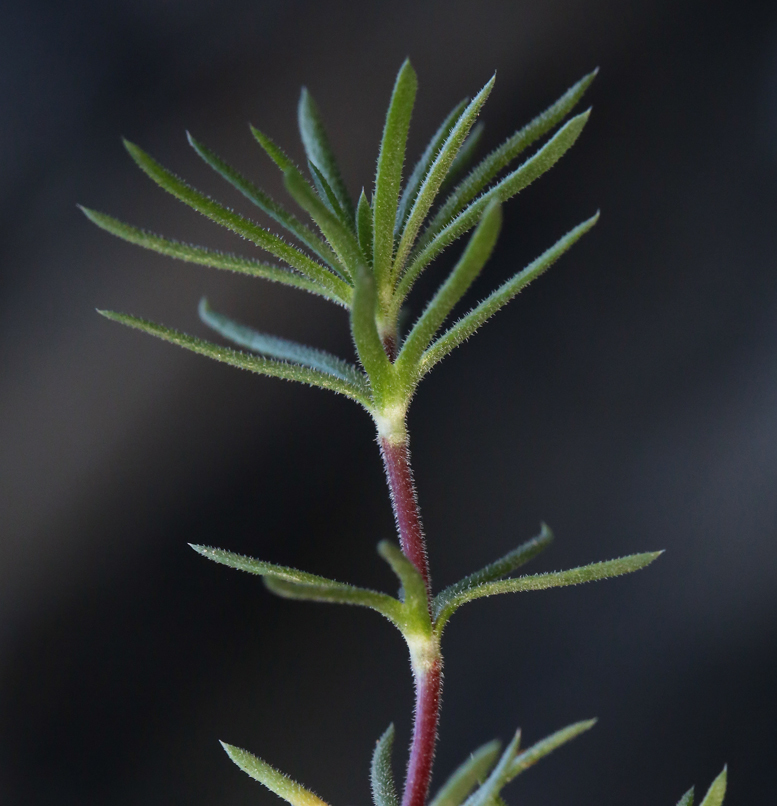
{"x": 366, "y": 255}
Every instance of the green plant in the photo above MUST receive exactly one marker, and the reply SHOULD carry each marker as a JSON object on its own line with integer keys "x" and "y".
{"x": 366, "y": 257}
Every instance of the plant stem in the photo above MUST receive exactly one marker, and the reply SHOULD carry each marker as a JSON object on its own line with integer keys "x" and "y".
{"x": 425, "y": 657}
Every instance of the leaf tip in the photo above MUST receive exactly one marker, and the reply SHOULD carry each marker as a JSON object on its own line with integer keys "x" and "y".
{"x": 203, "y": 310}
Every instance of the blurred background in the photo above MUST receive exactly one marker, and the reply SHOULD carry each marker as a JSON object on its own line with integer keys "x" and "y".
{"x": 629, "y": 398}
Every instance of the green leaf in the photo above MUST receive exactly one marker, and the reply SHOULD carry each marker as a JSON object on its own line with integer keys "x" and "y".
{"x": 365, "y": 334}
{"x": 342, "y": 240}
{"x": 384, "y": 792}
{"x": 282, "y": 349}
{"x": 560, "y": 579}
{"x": 337, "y": 593}
{"x": 364, "y": 227}
{"x": 436, "y": 174}
{"x": 542, "y": 161}
{"x": 319, "y": 150}
{"x": 479, "y": 315}
{"x": 543, "y": 748}
{"x": 265, "y": 203}
{"x": 478, "y": 251}
{"x": 253, "y": 363}
{"x": 413, "y": 591}
{"x": 294, "y": 584}
{"x": 389, "y": 173}
{"x": 502, "y": 156}
{"x": 326, "y": 194}
{"x": 496, "y": 570}
{"x": 274, "y": 780}
{"x": 498, "y": 777}
{"x": 273, "y": 151}
{"x": 424, "y": 163}
{"x": 717, "y": 790}
{"x": 686, "y": 799}
{"x": 463, "y": 158}
{"x": 467, "y": 776}
{"x": 208, "y": 257}
{"x": 242, "y": 226}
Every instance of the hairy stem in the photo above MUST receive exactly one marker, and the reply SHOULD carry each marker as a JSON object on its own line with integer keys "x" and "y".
{"x": 425, "y": 657}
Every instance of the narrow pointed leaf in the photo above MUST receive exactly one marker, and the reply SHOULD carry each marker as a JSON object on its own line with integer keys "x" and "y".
{"x": 543, "y": 748}
{"x": 686, "y": 799}
{"x": 326, "y": 194}
{"x": 436, "y": 174}
{"x": 502, "y": 156}
{"x": 468, "y": 776}
{"x": 365, "y": 333}
{"x": 273, "y": 150}
{"x": 560, "y": 579}
{"x": 282, "y": 349}
{"x": 384, "y": 792}
{"x": 463, "y": 158}
{"x": 717, "y": 790}
{"x": 413, "y": 588}
{"x": 542, "y": 161}
{"x": 478, "y": 251}
{"x": 496, "y": 570}
{"x": 337, "y": 593}
{"x": 389, "y": 173}
{"x": 208, "y": 257}
{"x": 484, "y": 795}
{"x": 319, "y": 150}
{"x": 342, "y": 240}
{"x": 253, "y": 363}
{"x": 265, "y": 203}
{"x": 242, "y": 226}
{"x": 424, "y": 163}
{"x": 283, "y": 786}
{"x": 364, "y": 227}
{"x": 479, "y": 315}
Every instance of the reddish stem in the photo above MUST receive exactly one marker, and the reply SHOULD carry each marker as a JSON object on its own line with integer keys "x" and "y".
{"x": 396, "y": 461}
{"x": 428, "y": 685}
{"x": 427, "y": 671}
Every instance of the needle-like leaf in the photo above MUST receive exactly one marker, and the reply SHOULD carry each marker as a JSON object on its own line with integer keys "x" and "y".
{"x": 424, "y": 163}
{"x": 272, "y": 149}
{"x": 508, "y": 187}
{"x": 365, "y": 333}
{"x": 384, "y": 791}
{"x": 327, "y": 195}
{"x": 389, "y": 173}
{"x": 484, "y": 795}
{"x": 546, "y": 746}
{"x": 319, "y": 150}
{"x": 463, "y": 158}
{"x": 291, "y": 583}
{"x": 478, "y": 251}
{"x": 342, "y": 240}
{"x": 253, "y": 363}
{"x": 560, "y": 579}
{"x": 413, "y": 591}
{"x": 283, "y": 786}
{"x": 498, "y": 569}
{"x": 468, "y": 775}
{"x": 283, "y": 349}
{"x": 436, "y": 174}
{"x": 479, "y": 315}
{"x": 364, "y": 227}
{"x": 237, "y": 223}
{"x": 686, "y": 799}
{"x": 208, "y": 257}
{"x": 265, "y": 203}
{"x": 502, "y": 156}
{"x": 717, "y": 790}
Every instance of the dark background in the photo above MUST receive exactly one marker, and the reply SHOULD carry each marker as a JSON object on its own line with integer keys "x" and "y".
{"x": 629, "y": 398}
